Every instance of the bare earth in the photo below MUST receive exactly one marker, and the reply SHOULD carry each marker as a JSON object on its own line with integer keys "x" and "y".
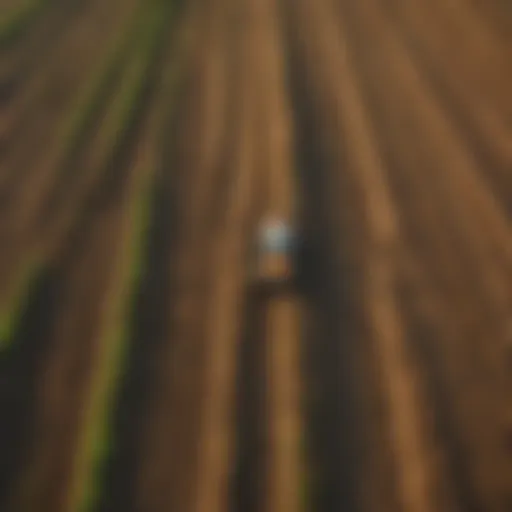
{"x": 141, "y": 142}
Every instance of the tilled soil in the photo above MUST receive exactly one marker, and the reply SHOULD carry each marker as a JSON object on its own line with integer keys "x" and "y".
{"x": 141, "y": 367}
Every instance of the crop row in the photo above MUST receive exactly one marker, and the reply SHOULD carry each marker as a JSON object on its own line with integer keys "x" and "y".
{"x": 116, "y": 335}
{"x": 122, "y": 118}
{"x": 91, "y": 108}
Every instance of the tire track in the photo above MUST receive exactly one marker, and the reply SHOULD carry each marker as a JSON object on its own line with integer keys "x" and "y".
{"x": 281, "y": 333}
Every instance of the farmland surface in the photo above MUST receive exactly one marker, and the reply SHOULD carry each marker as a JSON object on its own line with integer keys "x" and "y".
{"x": 144, "y": 367}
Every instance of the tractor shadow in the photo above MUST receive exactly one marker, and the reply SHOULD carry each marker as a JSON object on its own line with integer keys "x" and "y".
{"x": 329, "y": 348}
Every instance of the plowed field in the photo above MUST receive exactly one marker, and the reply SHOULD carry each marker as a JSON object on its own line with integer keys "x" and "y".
{"x": 142, "y": 369}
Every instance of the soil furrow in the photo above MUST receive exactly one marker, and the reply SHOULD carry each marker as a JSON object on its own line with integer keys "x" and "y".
{"x": 487, "y": 133}
{"x": 281, "y": 332}
{"x": 36, "y": 244}
{"x": 32, "y": 119}
{"x": 151, "y": 301}
{"x": 64, "y": 389}
{"x": 166, "y": 471}
{"x": 430, "y": 226}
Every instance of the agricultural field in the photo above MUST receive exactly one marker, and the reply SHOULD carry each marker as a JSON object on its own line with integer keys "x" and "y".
{"x": 142, "y": 368}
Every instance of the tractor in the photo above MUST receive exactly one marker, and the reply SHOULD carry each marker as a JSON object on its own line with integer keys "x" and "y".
{"x": 274, "y": 260}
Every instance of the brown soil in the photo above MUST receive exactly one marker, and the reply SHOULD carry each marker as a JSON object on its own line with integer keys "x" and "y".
{"x": 382, "y": 381}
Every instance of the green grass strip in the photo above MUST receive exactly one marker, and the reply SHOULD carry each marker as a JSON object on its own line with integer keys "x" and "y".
{"x": 120, "y": 115}
{"x": 74, "y": 129}
{"x": 97, "y": 443}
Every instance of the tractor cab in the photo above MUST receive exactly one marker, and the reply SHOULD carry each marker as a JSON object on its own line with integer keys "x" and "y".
{"x": 274, "y": 258}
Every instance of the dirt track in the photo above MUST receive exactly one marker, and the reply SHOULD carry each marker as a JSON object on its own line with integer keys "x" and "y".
{"x": 139, "y": 367}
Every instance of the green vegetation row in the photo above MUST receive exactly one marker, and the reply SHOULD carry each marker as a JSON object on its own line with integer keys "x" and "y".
{"x": 75, "y": 130}
{"x": 95, "y": 446}
{"x": 97, "y": 441}
{"x": 92, "y": 450}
